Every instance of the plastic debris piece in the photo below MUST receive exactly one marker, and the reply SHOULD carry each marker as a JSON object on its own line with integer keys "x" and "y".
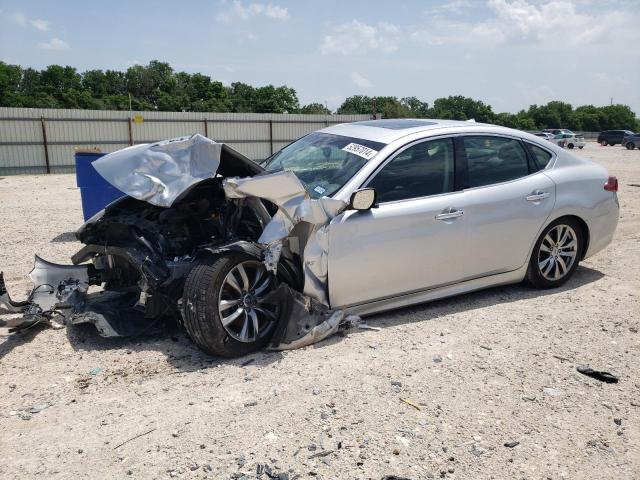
{"x": 365, "y": 326}
{"x": 598, "y": 375}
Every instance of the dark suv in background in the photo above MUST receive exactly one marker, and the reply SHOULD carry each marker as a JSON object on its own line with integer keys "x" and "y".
{"x": 612, "y": 137}
{"x": 631, "y": 141}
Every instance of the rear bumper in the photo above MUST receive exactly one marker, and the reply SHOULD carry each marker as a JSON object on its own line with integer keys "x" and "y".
{"x": 602, "y": 226}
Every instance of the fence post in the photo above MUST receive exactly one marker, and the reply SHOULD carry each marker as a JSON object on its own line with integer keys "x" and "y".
{"x": 206, "y": 128}
{"x": 45, "y": 145}
{"x": 130, "y": 132}
{"x": 271, "y": 136}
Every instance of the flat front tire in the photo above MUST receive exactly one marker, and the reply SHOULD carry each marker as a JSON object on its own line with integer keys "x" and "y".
{"x": 222, "y": 305}
{"x": 556, "y": 254}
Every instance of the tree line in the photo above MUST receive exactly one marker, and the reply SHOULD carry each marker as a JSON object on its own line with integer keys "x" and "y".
{"x": 157, "y": 86}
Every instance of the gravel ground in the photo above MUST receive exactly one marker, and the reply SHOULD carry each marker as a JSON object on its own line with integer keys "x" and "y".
{"x": 435, "y": 394}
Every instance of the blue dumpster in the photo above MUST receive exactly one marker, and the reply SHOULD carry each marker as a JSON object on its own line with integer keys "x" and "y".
{"x": 95, "y": 191}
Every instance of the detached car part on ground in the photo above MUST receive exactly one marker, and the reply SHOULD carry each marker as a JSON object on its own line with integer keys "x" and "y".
{"x": 353, "y": 219}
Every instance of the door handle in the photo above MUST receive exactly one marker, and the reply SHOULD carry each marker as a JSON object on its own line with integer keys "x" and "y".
{"x": 537, "y": 196}
{"x": 449, "y": 214}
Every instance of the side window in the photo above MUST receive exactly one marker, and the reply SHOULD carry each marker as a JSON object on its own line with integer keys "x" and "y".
{"x": 423, "y": 169}
{"x": 493, "y": 160}
{"x": 540, "y": 154}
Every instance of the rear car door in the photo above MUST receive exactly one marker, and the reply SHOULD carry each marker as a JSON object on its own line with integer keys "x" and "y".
{"x": 414, "y": 239}
{"x": 509, "y": 201}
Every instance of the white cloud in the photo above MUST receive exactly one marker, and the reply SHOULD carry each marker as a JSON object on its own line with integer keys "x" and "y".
{"x": 19, "y": 18}
{"x": 238, "y": 10}
{"x": 42, "y": 25}
{"x": 360, "y": 81}
{"x": 450, "y": 7}
{"x": 555, "y": 24}
{"x": 355, "y": 37}
{"x": 54, "y": 44}
{"x": 37, "y": 23}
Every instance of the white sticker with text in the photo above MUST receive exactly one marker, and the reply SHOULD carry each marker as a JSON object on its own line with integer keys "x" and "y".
{"x": 360, "y": 150}
{"x": 320, "y": 189}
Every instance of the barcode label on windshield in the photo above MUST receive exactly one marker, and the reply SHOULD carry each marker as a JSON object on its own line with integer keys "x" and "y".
{"x": 360, "y": 150}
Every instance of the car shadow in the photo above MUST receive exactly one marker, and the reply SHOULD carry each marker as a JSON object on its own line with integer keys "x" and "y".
{"x": 479, "y": 299}
{"x": 17, "y": 339}
{"x": 171, "y": 340}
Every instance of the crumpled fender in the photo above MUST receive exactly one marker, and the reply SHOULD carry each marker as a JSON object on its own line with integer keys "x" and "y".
{"x": 285, "y": 190}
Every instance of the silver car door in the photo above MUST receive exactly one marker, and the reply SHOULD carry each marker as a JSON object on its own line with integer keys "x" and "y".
{"x": 508, "y": 203}
{"x": 412, "y": 241}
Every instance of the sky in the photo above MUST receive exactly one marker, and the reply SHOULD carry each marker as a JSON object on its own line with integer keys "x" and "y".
{"x": 507, "y": 53}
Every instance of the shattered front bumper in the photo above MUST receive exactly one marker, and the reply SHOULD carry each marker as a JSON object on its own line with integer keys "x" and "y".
{"x": 59, "y": 290}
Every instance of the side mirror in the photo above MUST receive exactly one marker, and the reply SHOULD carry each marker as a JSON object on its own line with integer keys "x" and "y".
{"x": 363, "y": 199}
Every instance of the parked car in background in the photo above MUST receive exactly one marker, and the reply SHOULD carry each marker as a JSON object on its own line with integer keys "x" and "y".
{"x": 631, "y": 141}
{"x": 569, "y": 140}
{"x": 612, "y": 137}
{"x": 545, "y": 135}
{"x": 557, "y": 131}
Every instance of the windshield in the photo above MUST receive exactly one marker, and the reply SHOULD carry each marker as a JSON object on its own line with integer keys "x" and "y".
{"x": 324, "y": 162}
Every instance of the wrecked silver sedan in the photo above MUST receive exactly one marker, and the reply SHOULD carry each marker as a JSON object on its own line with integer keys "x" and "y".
{"x": 352, "y": 219}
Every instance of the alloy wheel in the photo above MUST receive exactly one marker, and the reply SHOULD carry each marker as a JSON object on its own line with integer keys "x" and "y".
{"x": 558, "y": 252}
{"x": 243, "y": 313}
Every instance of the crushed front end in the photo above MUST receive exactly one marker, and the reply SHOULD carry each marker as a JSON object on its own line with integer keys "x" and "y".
{"x": 189, "y": 201}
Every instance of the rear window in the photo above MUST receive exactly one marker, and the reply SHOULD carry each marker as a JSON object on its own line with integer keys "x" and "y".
{"x": 540, "y": 155}
{"x": 494, "y": 160}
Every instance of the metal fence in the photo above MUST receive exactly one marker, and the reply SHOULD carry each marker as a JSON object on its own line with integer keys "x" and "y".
{"x": 38, "y": 140}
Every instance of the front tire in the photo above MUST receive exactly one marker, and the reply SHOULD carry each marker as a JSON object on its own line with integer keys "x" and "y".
{"x": 604, "y": 143}
{"x": 630, "y": 145}
{"x": 222, "y": 305}
{"x": 556, "y": 254}
{"x": 570, "y": 146}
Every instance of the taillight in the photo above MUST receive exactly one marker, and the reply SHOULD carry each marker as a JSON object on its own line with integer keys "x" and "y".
{"x": 611, "y": 185}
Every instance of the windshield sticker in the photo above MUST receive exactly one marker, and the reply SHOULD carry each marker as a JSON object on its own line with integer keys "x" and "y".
{"x": 360, "y": 150}
{"x": 319, "y": 189}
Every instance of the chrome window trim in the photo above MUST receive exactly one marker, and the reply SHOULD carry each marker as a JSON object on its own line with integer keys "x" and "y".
{"x": 401, "y": 149}
{"x": 511, "y": 137}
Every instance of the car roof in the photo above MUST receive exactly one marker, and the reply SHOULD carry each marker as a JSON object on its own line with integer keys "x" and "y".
{"x": 390, "y": 130}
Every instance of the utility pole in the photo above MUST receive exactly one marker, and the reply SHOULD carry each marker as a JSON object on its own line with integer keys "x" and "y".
{"x": 373, "y": 108}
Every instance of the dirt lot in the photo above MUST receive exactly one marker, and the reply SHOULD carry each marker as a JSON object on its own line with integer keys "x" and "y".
{"x": 480, "y": 370}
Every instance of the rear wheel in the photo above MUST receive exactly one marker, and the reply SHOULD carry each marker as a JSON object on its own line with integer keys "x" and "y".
{"x": 604, "y": 143}
{"x": 630, "y": 145}
{"x": 556, "y": 254}
{"x": 223, "y": 305}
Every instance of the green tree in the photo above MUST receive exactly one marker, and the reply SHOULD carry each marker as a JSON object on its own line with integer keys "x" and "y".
{"x": 314, "y": 108}
{"x": 388, "y": 107}
{"x": 416, "y": 108}
{"x": 462, "y": 108}
{"x": 356, "y": 105}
